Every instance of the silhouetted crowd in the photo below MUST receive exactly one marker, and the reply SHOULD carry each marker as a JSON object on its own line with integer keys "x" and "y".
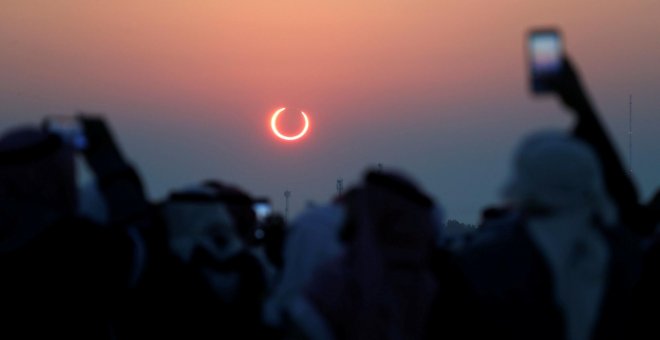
{"x": 569, "y": 253}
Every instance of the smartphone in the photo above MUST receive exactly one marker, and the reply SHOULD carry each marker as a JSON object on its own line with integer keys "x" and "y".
{"x": 69, "y": 128}
{"x": 546, "y": 51}
{"x": 262, "y": 208}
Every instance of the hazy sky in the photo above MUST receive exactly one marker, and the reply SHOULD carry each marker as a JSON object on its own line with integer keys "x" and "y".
{"x": 437, "y": 89}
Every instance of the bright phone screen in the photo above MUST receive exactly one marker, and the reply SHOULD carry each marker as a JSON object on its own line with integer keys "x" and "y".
{"x": 546, "y": 53}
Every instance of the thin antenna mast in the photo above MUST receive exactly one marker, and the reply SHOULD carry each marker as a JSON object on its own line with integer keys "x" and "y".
{"x": 287, "y": 194}
{"x": 630, "y": 135}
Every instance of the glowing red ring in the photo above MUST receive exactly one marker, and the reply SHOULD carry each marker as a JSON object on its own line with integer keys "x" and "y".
{"x": 273, "y": 125}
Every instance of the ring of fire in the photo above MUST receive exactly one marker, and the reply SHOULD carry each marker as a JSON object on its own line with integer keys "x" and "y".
{"x": 273, "y": 125}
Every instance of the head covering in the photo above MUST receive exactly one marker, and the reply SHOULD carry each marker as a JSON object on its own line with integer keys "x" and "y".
{"x": 240, "y": 206}
{"x": 312, "y": 240}
{"x": 555, "y": 173}
{"x": 557, "y": 180}
{"x": 197, "y": 217}
{"x": 383, "y": 287}
{"x": 37, "y": 183}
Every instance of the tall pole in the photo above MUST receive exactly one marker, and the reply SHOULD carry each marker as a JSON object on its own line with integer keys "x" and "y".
{"x": 287, "y": 193}
{"x": 630, "y": 156}
{"x": 340, "y": 186}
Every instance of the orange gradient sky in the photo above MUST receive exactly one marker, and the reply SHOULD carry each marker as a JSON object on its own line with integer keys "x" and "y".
{"x": 435, "y": 88}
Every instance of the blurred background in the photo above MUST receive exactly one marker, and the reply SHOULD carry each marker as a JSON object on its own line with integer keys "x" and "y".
{"x": 437, "y": 89}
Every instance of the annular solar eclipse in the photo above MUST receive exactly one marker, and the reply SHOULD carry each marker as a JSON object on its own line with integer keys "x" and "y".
{"x": 273, "y": 125}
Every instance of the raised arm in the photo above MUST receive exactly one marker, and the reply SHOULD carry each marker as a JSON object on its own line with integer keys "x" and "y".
{"x": 119, "y": 182}
{"x": 589, "y": 128}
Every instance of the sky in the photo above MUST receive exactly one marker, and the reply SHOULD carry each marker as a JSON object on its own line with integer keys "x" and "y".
{"x": 436, "y": 89}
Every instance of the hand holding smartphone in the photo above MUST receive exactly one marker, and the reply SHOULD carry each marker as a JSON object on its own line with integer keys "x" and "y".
{"x": 69, "y": 128}
{"x": 545, "y": 57}
{"x": 262, "y": 209}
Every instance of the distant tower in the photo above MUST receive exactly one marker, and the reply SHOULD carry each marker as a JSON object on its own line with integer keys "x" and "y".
{"x": 340, "y": 186}
{"x": 287, "y": 194}
{"x": 380, "y": 167}
{"x": 630, "y": 159}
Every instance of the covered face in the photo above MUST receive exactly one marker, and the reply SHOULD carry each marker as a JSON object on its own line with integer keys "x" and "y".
{"x": 554, "y": 173}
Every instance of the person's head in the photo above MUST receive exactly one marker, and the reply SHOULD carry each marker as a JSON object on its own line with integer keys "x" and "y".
{"x": 240, "y": 206}
{"x": 37, "y": 182}
{"x": 37, "y": 169}
{"x": 553, "y": 174}
{"x": 195, "y": 218}
{"x": 405, "y": 221}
